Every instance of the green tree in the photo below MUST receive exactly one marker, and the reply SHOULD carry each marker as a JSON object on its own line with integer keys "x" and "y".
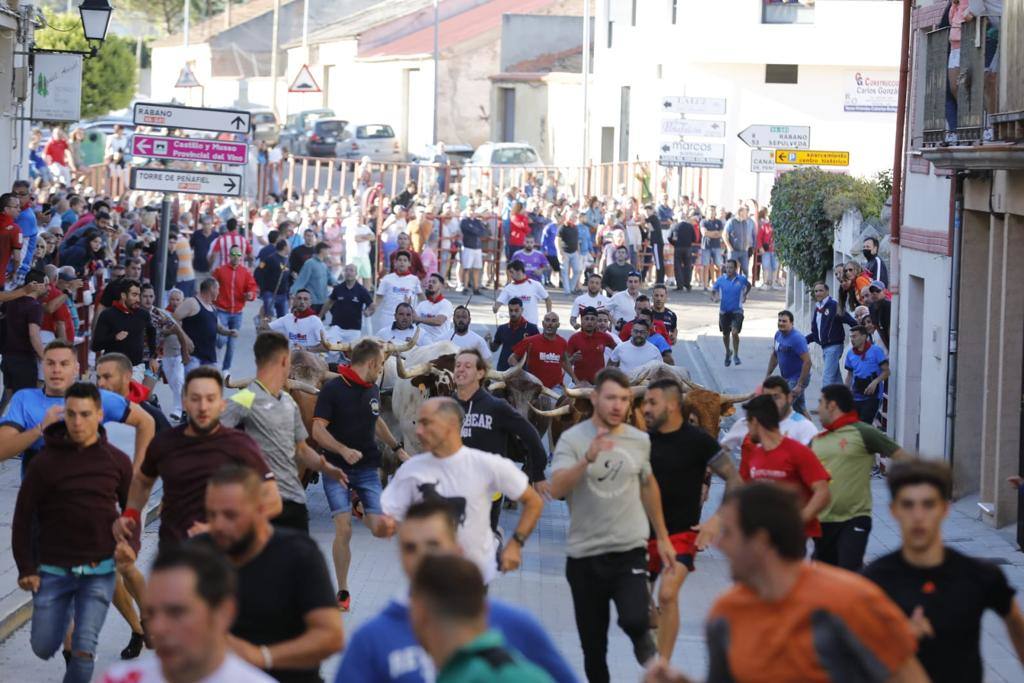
{"x": 108, "y": 79}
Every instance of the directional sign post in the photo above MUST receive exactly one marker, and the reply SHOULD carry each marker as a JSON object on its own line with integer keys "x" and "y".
{"x": 189, "y": 182}
{"x": 762, "y": 161}
{"x": 808, "y": 157}
{"x": 186, "y": 149}
{"x": 777, "y": 137}
{"x": 693, "y": 128}
{"x": 176, "y": 116}
{"x": 693, "y": 105}
{"x": 693, "y": 154}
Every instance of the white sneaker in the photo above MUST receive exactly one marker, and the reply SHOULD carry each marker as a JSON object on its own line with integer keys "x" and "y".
{"x": 988, "y": 135}
{"x": 951, "y": 137}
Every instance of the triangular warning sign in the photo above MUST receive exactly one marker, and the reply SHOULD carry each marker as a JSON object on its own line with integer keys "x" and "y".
{"x": 187, "y": 79}
{"x": 304, "y": 81}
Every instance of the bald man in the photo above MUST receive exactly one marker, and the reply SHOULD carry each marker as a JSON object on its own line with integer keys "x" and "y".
{"x": 465, "y": 479}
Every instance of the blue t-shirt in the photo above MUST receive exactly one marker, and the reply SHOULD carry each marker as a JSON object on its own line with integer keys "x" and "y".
{"x": 866, "y": 366}
{"x": 731, "y": 292}
{"x": 507, "y": 337}
{"x": 788, "y": 349}
{"x": 348, "y": 304}
{"x": 28, "y": 408}
{"x": 660, "y": 342}
{"x": 384, "y": 648}
{"x": 549, "y": 239}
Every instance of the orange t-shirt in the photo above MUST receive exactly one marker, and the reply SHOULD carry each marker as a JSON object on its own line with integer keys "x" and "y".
{"x": 833, "y": 622}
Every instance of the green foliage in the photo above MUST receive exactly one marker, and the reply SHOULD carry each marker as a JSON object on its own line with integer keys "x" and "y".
{"x": 108, "y": 79}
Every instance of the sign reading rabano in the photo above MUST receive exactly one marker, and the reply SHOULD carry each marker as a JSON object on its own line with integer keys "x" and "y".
{"x": 56, "y": 87}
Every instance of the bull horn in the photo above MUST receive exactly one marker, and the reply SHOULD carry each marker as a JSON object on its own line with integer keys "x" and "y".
{"x": 554, "y": 412}
{"x": 415, "y": 371}
{"x": 579, "y": 392}
{"x": 639, "y": 390}
{"x": 639, "y": 379}
{"x": 504, "y": 375}
{"x": 391, "y": 348}
{"x": 495, "y": 386}
{"x": 692, "y": 385}
{"x": 728, "y": 399}
{"x": 232, "y": 383}
{"x": 549, "y": 392}
{"x": 328, "y": 376}
{"x": 296, "y": 385}
{"x": 343, "y": 347}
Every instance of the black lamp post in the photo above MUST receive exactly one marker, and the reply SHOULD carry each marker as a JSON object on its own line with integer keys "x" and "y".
{"x": 95, "y": 21}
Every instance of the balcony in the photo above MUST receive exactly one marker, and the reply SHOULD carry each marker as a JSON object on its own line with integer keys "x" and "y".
{"x": 787, "y": 12}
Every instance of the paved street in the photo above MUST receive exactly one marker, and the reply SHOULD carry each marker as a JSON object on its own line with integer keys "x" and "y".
{"x": 540, "y": 585}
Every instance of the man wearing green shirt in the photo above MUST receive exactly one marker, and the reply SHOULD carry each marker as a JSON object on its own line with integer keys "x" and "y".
{"x": 847, "y": 449}
{"x": 448, "y": 612}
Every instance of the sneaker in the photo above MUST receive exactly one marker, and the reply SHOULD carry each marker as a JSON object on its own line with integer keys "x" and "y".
{"x": 738, "y": 361}
{"x": 344, "y": 601}
{"x": 477, "y": 292}
{"x": 134, "y": 648}
{"x": 728, "y": 360}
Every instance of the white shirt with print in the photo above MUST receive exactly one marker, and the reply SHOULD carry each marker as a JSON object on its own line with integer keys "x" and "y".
{"x": 300, "y": 331}
{"x": 530, "y": 292}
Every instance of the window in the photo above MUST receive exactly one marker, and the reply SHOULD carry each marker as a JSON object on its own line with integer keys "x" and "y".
{"x": 632, "y": 16}
{"x": 610, "y": 24}
{"x": 515, "y": 156}
{"x": 675, "y": 10}
{"x": 374, "y": 130}
{"x": 780, "y": 73}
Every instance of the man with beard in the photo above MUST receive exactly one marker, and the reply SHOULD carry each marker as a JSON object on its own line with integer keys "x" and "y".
{"x": 287, "y": 622}
{"x": 402, "y": 328}
{"x": 185, "y": 458}
{"x": 302, "y": 326}
{"x": 594, "y": 297}
{"x": 545, "y": 353}
{"x": 511, "y": 333}
{"x": 434, "y": 313}
{"x": 466, "y": 338}
{"x": 587, "y": 348}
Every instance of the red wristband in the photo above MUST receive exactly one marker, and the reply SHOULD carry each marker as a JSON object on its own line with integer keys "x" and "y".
{"x": 132, "y": 513}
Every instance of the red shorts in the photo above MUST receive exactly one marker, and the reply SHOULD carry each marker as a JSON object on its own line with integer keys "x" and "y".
{"x": 685, "y": 545}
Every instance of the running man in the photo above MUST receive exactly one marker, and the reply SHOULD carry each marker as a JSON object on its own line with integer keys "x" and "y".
{"x": 791, "y": 424}
{"x": 731, "y": 291}
{"x": 791, "y": 357}
{"x": 528, "y": 292}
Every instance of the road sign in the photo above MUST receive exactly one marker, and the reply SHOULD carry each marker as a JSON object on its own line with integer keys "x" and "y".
{"x": 177, "y": 116}
{"x": 693, "y": 105}
{"x": 304, "y": 81}
{"x": 762, "y": 161}
{"x": 185, "y": 149}
{"x": 786, "y": 137}
{"x": 189, "y": 182}
{"x": 693, "y": 154}
{"x": 808, "y": 157}
{"x": 693, "y": 128}
{"x": 187, "y": 79}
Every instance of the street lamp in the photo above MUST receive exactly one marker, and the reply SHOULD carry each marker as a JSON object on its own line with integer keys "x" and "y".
{"x": 95, "y": 19}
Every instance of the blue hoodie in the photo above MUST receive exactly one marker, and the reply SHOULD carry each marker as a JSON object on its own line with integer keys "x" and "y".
{"x": 385, "y": 649}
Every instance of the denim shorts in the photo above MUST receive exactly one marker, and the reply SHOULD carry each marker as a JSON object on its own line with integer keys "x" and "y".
{"x": 366, "y": 483}
{"x": 711, "y": 256}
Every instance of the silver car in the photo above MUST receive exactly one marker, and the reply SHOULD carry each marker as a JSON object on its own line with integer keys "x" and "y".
{"x": 490, "y": 157}
{"x": 374, "y": 140}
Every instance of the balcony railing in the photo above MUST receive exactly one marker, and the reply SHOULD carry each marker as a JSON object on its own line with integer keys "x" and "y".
{"x": 961, "y": 119}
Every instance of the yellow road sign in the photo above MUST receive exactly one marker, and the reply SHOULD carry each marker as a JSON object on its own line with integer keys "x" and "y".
{"x": 811, "y": 157}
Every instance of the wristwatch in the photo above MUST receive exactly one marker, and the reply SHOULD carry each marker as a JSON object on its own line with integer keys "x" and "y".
{"x": 519, "y": 538}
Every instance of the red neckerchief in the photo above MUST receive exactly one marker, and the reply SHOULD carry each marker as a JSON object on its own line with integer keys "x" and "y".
{"x": 351, "y": 375}
{"x": 137, "y": 393}
{"x": 867, "y": 345}
{"x": 519, "y": 282}
{"x": 434, "y": 300}
{"x": 843, "y": 420}
{"x": 303, "y": 314}
{"x": 119, "y": 305}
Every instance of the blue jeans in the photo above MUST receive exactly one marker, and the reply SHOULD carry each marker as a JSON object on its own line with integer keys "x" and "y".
{"x": 87, "y": 598}
{"x": 366, "y": 483}
{"x": 800, "y": 402}
{"x": 232, "y": 321}
{"x": 571, "y": 269}
{"x": 274, "y": 305}
{"x": 832, "y": 355}
{"x": 187, "y": 287}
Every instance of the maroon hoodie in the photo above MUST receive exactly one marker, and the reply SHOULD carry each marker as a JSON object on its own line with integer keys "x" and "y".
{"x": 73, "y": 493}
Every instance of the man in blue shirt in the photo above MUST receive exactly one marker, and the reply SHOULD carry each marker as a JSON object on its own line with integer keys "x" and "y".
{"x": 867, "y": 369}
{"x": 731, "y": 290}
{"x": 511, "y": 333}
{"x": 26, "y": 221}
{"x": 384, "y": 648}
{"x": 349, "y": 303}
{"x": 789, "y": 353}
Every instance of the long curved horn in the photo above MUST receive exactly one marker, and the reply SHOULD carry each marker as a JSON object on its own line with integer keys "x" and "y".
{"x": 296, "y": 385}
{"x": 579, "y": 392}
{"x": 328, "y": 376}
{"x": 343, "y": 347}
{"x": 495, "y": 386}
{"x": 504, "y": 375}
{"x": 692, "y": 385}
{"x": 549, "y": 392}
{"x": 392, "y": 348}
{"x": 409, "y": 373}
{"x": 737, "y": 398}
{"x": 232, "y": 383}
{"x": 554, "y": 412}
{"x": 638, "y": 390}
{"x": 640, "y": 377}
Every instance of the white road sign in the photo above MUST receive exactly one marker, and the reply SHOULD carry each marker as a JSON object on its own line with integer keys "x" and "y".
{"x": 693, "y": 128}
{"x": 695, "y": 154}
{"x": 176, "y": 116}
{"x": 785, "y": 137}
{"x": 693, "y": 105}
{"x": 187, "y": 182}
{"x": 762, "y": 161}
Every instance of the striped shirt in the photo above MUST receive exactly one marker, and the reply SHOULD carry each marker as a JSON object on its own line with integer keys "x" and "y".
{"x": 222, "y": 246}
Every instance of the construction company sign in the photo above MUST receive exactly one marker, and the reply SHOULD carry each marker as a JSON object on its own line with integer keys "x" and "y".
{"x": 871, "y": 91}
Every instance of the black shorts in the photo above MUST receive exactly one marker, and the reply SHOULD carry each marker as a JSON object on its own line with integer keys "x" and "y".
{"x": 20, "y": 371}
{"x": 555, "y": 265}
{"x": 293, "y": 516}
{"x": 733, "y": 320}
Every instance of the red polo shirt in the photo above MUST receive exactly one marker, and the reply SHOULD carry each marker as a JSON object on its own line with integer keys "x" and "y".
{"x": 790, "y": 464}
{"x": 544, "y": 359}
{"x": 592, "y": 347}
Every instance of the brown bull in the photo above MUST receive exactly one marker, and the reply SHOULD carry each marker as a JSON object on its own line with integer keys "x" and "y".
{"x": 523, "y": 391}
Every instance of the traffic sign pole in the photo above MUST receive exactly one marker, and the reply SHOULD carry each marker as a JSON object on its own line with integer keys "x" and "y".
{"x": 165, "y": 233}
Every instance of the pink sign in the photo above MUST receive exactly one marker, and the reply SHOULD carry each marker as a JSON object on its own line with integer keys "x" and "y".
{"x": 186, "y": 149}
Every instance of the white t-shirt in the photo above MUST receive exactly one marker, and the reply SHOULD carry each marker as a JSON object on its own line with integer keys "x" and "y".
{"x": 395, "y": 335}
{"x": 629, "y": 356}
{"x": 259, "y": 229}
{"x": 393, "y": 229}
{"x": 530, "y": 291}
{"x": 795, "y": 426}
{"x": 435, "y": 333}
{"x": 601, "y": 300}
{"x": 353, "y": 248}
{"x": 395, "y": 289}
{"x": 302, "y": 331}
{"x": 147, "y": 670}
{"x": 472, "y": 340}
{"x": 467, "y": 479}
{"x": 449, "y": 231}
{"x": 622, "y": 306}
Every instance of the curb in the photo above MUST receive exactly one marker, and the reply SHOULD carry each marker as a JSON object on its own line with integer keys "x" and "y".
{"x": 16, "y": 610}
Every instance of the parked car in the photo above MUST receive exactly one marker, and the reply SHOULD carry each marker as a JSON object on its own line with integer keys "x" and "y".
{"x": 298, "y": 128}
{"x": 458, "y": 156}
{"x": 497, "y": 154}
{"x": 325, "y": 136}
{"x": 374, "y": 140}
{"x": 265, "y": 127}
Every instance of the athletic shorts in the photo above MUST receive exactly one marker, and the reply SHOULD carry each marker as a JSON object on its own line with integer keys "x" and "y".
{"x": 733, "y": 320}
{"x": 554, "y": 263}
{"x": 711, "y": 256}
{"x": 362, "y": 264}
{"x": 365, "y": 482}
{"x": 472, "y": 258}
{"x": 685, "y": 544}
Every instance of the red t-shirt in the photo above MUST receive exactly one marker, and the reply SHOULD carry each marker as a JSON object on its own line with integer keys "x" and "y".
{"x": 658, "y": 326}
{"x": 592, "y": 347}
{"x": 61, "y": 316}
{"x": 545, "y": 358}
{"x": 519, "y": 228}
{"x": 57, "y": 150}
{"x": 10, "y": 240}
{"x": 790, "y": 463}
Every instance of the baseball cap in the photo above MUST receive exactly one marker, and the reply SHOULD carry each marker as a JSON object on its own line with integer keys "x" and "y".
{"x": 877, "y": 285}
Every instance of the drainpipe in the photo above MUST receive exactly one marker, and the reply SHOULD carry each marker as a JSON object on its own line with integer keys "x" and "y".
{"x": 956, "y": 204}
{"x": 901, "y": 117}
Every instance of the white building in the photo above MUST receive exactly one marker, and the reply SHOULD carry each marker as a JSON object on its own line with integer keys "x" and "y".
{"x": 774, "y": 64}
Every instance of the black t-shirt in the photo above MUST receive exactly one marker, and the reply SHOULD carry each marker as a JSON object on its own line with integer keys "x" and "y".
{"x": 954, "y": 596}
{"x": 679, "y": 460}
{"x": 615, "y": 276}
{"x": 351, "y": 412}
{"x": 683, "y": 233}
{"x": 655, "y": 229}
{"x": 347, "y": 306}
{"x": 668, "y": 317}
{"x": 276, "y": 589}
{"x": 18, "y": 314}
{"x": 570, "y": 236}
